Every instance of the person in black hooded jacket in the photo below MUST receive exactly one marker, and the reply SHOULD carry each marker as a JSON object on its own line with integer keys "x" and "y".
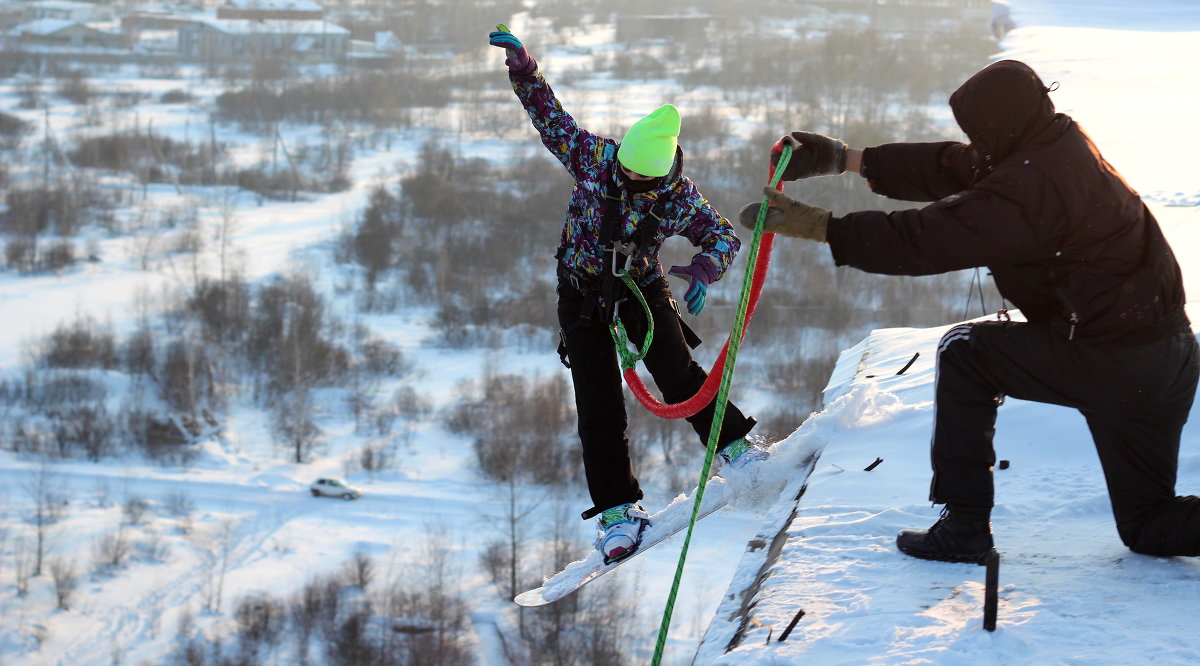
{"x": 1070, "y": 244}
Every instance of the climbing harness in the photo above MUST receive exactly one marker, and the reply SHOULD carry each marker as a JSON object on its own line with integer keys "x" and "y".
{"x": 623, "y": 260}
{"x": 636, "y": 253}
{"x": 740, "y": 320}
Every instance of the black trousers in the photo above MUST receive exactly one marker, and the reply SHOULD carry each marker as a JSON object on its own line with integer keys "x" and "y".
{"x": 1135, "y": 399}
{"x": 600, "y": 401}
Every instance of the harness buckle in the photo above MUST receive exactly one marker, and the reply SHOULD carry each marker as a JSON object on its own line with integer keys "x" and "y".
{"x": 579, "y": 282}
{"x": 628, "y": 249}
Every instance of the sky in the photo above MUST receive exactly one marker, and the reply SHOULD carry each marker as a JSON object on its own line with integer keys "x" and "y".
{"x": 1069, "y": 591}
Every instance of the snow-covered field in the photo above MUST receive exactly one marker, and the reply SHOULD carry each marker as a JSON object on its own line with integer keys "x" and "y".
{"x": 1070, "y": 593}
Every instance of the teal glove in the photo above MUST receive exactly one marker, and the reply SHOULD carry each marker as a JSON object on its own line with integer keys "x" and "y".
{"x": 518, "y": 59}
{"x": 699, "y": 274}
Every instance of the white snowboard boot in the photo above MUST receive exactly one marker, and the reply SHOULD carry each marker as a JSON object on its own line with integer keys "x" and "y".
{"x": 621, "y": 531}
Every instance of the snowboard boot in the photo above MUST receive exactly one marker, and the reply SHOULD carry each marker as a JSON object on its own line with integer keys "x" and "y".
{"x": 621, "y": 531}
{"x": 741, "y": 452}
{"x": 963, "y": 535}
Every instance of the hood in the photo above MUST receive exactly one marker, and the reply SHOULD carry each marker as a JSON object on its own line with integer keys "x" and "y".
{"x": 1002, "y": 107}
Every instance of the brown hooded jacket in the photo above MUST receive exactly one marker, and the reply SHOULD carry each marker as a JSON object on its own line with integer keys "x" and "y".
{"x": 1031, "y": 198}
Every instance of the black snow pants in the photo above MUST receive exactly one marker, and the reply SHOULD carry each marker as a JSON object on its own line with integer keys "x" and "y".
{"x": 599, "y": 398}
{"x": 1136, "y": 400}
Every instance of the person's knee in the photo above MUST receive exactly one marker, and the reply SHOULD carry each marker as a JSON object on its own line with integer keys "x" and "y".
{"x": 1143, "y": 543}
{"x": 1170, "y": 528}
{"x": 1130, "y": 532}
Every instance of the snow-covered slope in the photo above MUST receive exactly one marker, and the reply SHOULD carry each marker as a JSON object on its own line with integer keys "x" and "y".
{"x": 1069, "y": 590}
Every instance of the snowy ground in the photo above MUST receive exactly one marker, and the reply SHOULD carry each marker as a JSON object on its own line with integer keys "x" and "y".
{"x": 1070, "y": 592}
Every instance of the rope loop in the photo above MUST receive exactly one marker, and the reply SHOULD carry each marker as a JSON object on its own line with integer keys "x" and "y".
{"x": 621, "y": 338}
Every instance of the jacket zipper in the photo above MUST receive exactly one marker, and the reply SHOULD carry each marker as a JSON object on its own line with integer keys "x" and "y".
{"x": 1074, "y": 320}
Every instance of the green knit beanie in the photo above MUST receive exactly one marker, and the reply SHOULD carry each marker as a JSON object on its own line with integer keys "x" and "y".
{"x": 649, "y": 146}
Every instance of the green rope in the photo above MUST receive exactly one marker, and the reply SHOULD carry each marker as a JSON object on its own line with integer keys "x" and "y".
{"x": 621, "y": 340}
{"x": 735, "y": 337}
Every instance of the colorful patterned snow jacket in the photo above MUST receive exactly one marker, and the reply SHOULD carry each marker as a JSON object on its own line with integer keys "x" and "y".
{"x": 592, "y": 162}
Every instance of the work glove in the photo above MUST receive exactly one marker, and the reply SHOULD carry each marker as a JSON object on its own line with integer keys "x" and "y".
{"x": 812, "y": 155}
{"x": 788, "y": 217}
{"x": 699, "y": 274}
{"x": 519, "y": 62}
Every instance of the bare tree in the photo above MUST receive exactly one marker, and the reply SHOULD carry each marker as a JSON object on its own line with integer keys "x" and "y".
{"x": 183, "y": 375}
{"x": 217, "y": 567}
{"x": 22, "y": 565}
{"x": 180, "y": 505}
{"x": 3, "y": 539}
{"x": 306, "y": 611}
{"x": 359, "y": 570}
{"x": 434, "y": 616}
{"x": 65, "y": 581}
{"x": 111, "y": 550}
{"x": 260, "y": 621}
{"x": 226, "y": 228}
{"x": 134, "y": 509}
{"x": 189, "y": 650}
{"x": 294, "y": 423}
{"x": 300, "y": 360}
{"x": 47, "y": 509}
{"x": 514, "y": 512}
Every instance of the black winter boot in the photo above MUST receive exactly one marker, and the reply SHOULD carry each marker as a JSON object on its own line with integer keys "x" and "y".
{"x": 958, "y": 536}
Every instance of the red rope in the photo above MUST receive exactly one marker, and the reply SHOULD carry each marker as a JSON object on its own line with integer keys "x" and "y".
{"x": 708, "y": 391}
{"x": 682, "y": 410}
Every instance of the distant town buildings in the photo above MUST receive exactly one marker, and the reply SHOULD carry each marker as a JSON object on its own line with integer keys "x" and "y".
{"x": 65, "y": 23}
{"x": 242, "y": 39}
{"x": 236, "y": 31}
{"x": 265, "y": 10}
{"x": 11, "y": 13}
{"x": 61, "y": 32}
{"x": 69, "y": 10}
{"x": 233, "y": 31}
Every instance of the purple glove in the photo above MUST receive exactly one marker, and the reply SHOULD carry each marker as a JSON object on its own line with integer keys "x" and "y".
{"x": 699, "y": 274}
{"x": 519, "y": 61}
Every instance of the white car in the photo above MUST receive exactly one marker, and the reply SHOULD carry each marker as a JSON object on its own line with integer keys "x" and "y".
{"x": 334, "y": 487}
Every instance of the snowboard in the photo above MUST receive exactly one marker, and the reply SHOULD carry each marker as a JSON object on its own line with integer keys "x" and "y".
{"x": 663, "y": 525}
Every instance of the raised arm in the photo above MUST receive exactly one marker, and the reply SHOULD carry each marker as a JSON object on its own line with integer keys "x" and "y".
{"x": 573, "y": 146}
